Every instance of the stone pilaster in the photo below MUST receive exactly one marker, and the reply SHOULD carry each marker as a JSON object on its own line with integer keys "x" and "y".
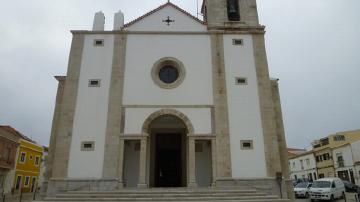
{"x": 63, "y": 133}
{"x": 281, "y": 138}
{"x": 213, "y": 161}
{"x": 120, "y": 167}
{"x": 272, "y": 156}
{"x": 220, "y": 107}
{"x": 142, "y": 165}
{"x": 191, "y": 163}
{"x": 114, "y": 119}
{"x": 55, "y": 124}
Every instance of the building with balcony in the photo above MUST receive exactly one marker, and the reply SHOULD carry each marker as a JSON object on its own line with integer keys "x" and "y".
{"x": 8, "y": 149}
{"x": 323, "y": 150}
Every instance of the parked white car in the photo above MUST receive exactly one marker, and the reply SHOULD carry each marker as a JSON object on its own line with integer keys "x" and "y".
{"x": 302, "y": 189}
{"x": 327, "y": 189}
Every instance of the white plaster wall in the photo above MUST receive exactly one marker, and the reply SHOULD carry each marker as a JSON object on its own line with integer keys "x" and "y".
{"x": 355, "y": 148}
{"x": 199, "y": 117}
{"x": 144, "y": 50}
{"x": 301, "y": 174}
{"x": 91, "y": 109}
{"x": 297, "y": 160}
{"x": 131, "y": 164}
{"x": 357, "y": 174}
{"x": 346, "y": 153}
{"x": 155, "y": 22}
{"x": 244, "y": 109}
{"x": 203, "y": 165}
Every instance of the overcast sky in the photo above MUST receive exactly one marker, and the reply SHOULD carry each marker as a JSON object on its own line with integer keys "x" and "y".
{"x": 312, "y": 46}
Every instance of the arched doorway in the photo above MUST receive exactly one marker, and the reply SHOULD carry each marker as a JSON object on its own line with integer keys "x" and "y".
{"x": 167, "y": 149}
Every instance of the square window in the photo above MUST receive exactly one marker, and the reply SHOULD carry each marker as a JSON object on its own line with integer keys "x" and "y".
{"x": 246, "y": 144}
{"x": 238, "y": 42}
{"x": 241, "y": 81}
{"x": 99, "y": 42}
{"x": 94, "y": 83}
{"x": 88, "y": 146}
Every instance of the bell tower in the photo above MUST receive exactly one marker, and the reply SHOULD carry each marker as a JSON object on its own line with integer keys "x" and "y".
{"x": 230, "y": 14}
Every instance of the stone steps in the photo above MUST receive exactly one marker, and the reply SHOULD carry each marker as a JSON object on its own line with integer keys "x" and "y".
{"x": 175, "y": 195}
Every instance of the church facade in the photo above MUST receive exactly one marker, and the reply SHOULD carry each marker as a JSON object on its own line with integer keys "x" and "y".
{"x": 168, "y": 100}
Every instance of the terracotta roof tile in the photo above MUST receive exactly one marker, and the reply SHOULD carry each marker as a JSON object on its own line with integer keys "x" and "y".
{"x": 15, "y": 132}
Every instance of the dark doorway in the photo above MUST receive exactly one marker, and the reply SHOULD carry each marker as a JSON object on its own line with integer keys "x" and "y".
{"x": 168, "y": 166}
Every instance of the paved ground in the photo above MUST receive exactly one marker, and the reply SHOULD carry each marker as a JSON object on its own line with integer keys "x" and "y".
{"x": 349, "y": 196}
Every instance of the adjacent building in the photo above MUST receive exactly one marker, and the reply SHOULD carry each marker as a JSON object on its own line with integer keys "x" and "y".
{"x": 303, "y": 166}
{"x": 337, "y": 155}
{"x": 347, "y": 162}
{"x": 19, "y": 162}
{"x": 27, "y": 168}
{"x": 8, "y": 151}
{"x": 323, "y": 150}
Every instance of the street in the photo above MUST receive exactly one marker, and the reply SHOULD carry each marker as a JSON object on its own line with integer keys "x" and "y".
{"x": 350, "y": 197}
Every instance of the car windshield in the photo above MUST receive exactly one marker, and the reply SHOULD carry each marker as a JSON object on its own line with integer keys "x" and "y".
{"x": 321, "y": 184}
{"x": 301, "y": 185}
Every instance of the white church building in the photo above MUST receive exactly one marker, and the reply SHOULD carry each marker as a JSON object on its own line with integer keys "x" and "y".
{"x": 169, "y": 100}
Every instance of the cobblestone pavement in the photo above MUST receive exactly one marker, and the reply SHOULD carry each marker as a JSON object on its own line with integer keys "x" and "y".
{"x": 349, "y": 196}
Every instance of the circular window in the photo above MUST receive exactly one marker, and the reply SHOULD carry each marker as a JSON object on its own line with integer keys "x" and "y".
{"x": 168, "y": 73}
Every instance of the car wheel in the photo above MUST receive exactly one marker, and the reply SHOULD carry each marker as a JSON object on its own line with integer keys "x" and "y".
{"x": 332, "y": 198}
{"x": 343, "y": 196}
{"x": 307, "y": 195}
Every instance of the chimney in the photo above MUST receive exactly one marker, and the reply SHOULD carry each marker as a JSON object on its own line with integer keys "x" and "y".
{"x": 99, "y": 21}
{"x": 118, "y": 20}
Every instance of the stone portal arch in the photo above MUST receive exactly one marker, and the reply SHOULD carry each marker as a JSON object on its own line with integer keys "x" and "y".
{"x": 163, "y": 112}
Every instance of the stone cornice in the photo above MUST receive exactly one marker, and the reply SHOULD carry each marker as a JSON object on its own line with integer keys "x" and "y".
{"x": 213, "y": 30}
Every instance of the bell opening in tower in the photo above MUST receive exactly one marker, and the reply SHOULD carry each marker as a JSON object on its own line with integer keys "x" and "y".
{"x": 233, "y": 10}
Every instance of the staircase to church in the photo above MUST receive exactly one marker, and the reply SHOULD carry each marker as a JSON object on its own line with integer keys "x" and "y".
{"x": 168, "y": 194}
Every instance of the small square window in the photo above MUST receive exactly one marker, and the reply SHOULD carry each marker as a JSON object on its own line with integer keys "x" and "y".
{"x": 30, "y": 157}
{"x": 246, "y": 144}
{"x": 94, "y": 83}
{"x": 99, "y": 42}
{"x": 238, "y": 42}
{"x": 87, "y": 146}
{"x": 241, "y": 81}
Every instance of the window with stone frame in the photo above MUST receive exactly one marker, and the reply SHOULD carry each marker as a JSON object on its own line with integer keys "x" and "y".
{"x": 22, "y": 157}
{"x": 27, "y": 181}
{"x": 37, "y": 160}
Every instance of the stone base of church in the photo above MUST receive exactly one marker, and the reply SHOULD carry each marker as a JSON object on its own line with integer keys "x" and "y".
{"x": 56, "y": 186}
{"x": 265, "y": 185}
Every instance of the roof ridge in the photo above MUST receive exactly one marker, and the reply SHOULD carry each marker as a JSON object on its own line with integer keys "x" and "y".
{"x": 161, "y": 7}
